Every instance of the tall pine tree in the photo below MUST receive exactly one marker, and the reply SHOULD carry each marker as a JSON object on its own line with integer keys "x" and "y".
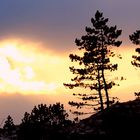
{"x": 95, "y": 61}
{"x": 135, "y": 38}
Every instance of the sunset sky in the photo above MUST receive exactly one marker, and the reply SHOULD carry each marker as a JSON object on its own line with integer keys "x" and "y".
{"x": 36, "y": 38}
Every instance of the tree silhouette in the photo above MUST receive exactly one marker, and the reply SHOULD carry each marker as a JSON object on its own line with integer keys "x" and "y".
{"x": 95, "y": 62}
{"x": 44, "y": 122}
{"x": 58, "y": 115}
{"x": 8, "y": 127}
{"x": 135, "y": 38}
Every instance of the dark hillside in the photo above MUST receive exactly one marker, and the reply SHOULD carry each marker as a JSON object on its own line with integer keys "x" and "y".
{"x": 120, "y": 119}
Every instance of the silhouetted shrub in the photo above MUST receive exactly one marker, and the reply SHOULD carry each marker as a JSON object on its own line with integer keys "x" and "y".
{"x": 44, "y": 122}
{"x": 9, "y": 129}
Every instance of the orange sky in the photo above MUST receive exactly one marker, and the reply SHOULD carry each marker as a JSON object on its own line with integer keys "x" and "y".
{"x": 36, "y": 75}
{"x": 37, "y": 70}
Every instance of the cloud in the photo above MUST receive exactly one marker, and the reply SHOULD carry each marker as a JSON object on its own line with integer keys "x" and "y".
{"x": 28, "y": 68}
{"x": 58, "y": 23}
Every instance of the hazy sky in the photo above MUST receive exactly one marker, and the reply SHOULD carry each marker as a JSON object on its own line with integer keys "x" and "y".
{"x": 36, "y": 37}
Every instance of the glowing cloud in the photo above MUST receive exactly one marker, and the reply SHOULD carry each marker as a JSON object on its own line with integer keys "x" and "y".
{"x": 21, "y": 68}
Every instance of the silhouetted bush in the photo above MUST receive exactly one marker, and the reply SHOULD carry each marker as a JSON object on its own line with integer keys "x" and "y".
{"x": 44, "y": 122}
{"x": 9, "y": 129}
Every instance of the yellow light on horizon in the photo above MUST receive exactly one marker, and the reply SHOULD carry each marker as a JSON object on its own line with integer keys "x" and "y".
{"x": 28, "y": 69}
{"x": 51, "y": 86}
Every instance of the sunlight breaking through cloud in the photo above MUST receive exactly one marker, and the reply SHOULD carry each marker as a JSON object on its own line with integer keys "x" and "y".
{"x": 22, "y": 66}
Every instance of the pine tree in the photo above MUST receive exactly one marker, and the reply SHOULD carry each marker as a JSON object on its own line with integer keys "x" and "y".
{"x": 44, "y": 122}
{"x": 135, "y": 38}
{"x": 95, "y": 62}
{"x": 9, "y": 126}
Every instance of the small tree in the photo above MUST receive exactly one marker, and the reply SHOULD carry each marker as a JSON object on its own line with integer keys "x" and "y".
{"x": 9, "y": 126}
{"x": 95, "y": 61}
{"x": 58, "y": 115}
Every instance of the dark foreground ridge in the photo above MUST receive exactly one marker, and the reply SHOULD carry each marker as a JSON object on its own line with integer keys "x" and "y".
{"x": 122, "y": 119}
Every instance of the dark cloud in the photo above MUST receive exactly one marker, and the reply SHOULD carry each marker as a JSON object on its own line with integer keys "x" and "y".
{"x": 58, "y": 23}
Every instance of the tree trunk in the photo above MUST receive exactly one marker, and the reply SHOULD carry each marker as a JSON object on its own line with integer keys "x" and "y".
{"x": 99, "y": 91}
{"x": 106, "y": 89}
{"x": 103, "y": 75}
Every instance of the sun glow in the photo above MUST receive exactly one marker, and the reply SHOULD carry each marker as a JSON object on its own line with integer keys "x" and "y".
{"x": 29, "y": 68}
{"x": 21, "y": 68}
{"x": 29, "y": 73}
